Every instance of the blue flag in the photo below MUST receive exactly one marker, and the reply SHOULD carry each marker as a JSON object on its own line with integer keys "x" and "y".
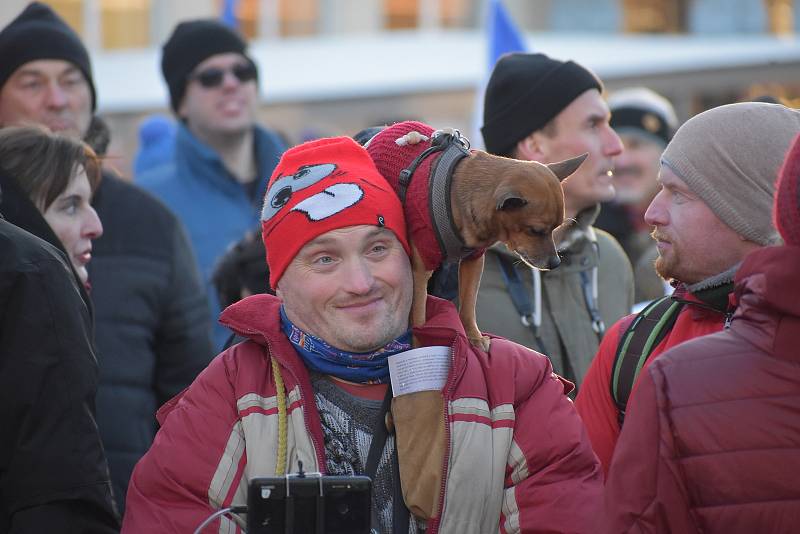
{"x": 228, "y": 15}
{"x": 502, "y": 37}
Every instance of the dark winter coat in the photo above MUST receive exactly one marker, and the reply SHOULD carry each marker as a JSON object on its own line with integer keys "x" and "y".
{"x": 53, "y": 474}
{"x": 711, "y": 442}
{"x": 152, "y": 321}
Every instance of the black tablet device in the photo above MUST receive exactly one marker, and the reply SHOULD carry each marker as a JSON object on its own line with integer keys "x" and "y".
{"x": 309, "y": 504}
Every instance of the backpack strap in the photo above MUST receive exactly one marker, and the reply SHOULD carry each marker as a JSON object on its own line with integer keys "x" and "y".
{"x": 644, "y": 333}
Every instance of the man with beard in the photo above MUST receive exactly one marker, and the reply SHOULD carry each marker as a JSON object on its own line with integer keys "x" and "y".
{"x": 713, "y": 208}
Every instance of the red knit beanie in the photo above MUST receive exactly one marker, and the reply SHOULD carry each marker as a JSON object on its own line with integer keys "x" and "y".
{"x": 320, "y": 186}
{"x": 787, "y": 196}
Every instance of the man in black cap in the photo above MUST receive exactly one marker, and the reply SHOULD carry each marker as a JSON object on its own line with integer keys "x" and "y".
{"x": 645, "y": 121}
{"x": 542, "y": 109}
{"x": 222, "y": 158}
{"x": 152, "y": 320}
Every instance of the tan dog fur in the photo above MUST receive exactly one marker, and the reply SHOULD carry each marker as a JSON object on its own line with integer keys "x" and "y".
{"x": 494, "y": 199}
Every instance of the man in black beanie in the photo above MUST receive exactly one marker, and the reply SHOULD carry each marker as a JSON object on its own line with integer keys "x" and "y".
{"x": 222, "y": 159}
{"x": 152, "y": 322}
{"x": 541, "y": 109}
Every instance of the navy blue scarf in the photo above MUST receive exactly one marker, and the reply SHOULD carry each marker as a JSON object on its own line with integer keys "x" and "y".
{"x": 362, "y": 368}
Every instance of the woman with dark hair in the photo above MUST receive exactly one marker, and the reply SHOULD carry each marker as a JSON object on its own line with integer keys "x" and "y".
{"x": 53, "y": 471}
{"x": 47, "y": 182}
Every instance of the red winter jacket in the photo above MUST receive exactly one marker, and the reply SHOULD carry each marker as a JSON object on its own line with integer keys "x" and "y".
{"x": 595, "y": 403}
{"x": 518, "y": 459}
{"x": 712, "y": 442}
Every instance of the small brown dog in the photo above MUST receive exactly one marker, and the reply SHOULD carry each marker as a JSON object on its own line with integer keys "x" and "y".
{"x": 459, "y": 202}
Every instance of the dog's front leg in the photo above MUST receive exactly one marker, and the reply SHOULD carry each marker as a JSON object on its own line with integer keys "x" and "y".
{"x": 420, "y": 276}
{"x": 469, "y": 280}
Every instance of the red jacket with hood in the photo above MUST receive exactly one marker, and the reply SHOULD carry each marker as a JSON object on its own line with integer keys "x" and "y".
{"x": 518, "y": 459}
{"x": 705, "y": 312}
{"x": 712, "y": 442}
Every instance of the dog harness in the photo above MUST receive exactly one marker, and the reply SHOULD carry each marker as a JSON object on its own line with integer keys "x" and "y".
{"x": 453, "y": 148}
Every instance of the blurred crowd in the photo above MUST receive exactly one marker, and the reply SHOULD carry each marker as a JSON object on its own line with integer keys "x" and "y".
{"x": 230, "y": 308}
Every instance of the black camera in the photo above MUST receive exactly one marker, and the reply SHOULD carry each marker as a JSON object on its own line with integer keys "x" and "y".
{"x": 309, "y": 503}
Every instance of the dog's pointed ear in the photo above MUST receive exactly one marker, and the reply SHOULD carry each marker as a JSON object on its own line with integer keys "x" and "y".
{"x": 562, "y": 169}
{"x": 509, "y": 200}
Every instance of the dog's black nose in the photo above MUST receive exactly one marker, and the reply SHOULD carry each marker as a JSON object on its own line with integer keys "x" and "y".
{"x": 553, "y": 262}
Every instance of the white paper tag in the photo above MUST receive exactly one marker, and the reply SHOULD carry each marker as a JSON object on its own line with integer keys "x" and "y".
{"x": 423, "y": 369}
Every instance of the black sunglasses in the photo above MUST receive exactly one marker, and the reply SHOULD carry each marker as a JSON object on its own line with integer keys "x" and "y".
{"x": 213, "y": 76}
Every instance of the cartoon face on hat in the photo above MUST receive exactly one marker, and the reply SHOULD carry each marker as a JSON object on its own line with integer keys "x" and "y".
{"x": 321, "y": 186}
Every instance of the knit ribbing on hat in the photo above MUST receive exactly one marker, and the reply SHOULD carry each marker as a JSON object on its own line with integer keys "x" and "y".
{"x": 729, "y": 156}
{"x": 191, "y": 43}
{"x": 525, "y": 91}
{"x": 39, "y": 33}
{"x": 787, "y": 197}
{"x": 321, "y": 186}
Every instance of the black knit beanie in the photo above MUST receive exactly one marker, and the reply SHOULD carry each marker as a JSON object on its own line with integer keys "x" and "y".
{"x": 38, "y": 33}
{"x": 524, "y": 93}
{"x": 191, "y": 43}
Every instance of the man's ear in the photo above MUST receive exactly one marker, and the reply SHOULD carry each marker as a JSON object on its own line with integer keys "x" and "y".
{"x": 530, "y": 148}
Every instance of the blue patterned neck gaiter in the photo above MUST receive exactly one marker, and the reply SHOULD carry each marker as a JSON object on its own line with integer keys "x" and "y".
{"x": 362, "y": 368}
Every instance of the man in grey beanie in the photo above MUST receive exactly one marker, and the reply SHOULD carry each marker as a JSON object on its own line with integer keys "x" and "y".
{"x": 542, "y": 109}
{"x": 714, "y": 207}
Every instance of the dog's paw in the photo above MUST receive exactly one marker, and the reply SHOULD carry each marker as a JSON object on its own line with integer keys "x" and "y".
{"x": 482, "y": 342}
{"x": 411, "y": 138}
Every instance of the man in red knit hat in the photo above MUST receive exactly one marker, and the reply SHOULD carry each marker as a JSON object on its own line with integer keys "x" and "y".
{"x": 311, "y": 383}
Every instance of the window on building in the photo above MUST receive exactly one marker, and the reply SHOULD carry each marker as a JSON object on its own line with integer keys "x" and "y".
{"x": 400, "y": 14}
{"x": 119, "y": 24}
{"x": 780, "y": 14}
{"x": 298, "y": 17}
{"x": 71, "y": 11}
{"x": 125, "y": 23}
{"x": 294, "y": 17}
{"x": 459, "y": 13}
{"x": 655, "y": 16}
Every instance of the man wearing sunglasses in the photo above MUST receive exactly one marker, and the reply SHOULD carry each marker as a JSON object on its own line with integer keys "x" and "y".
{"x": 222, "y": 158}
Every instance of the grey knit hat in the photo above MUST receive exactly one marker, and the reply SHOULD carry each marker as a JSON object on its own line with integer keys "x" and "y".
{"x": 729, "y": 156}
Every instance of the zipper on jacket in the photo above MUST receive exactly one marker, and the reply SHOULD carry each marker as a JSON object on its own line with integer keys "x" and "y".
{"x": 445, "y": 460}
{"x": 728, "y": 320}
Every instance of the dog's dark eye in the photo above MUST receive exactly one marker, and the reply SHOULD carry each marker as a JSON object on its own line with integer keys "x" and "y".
{"x": 536, "y": 232}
